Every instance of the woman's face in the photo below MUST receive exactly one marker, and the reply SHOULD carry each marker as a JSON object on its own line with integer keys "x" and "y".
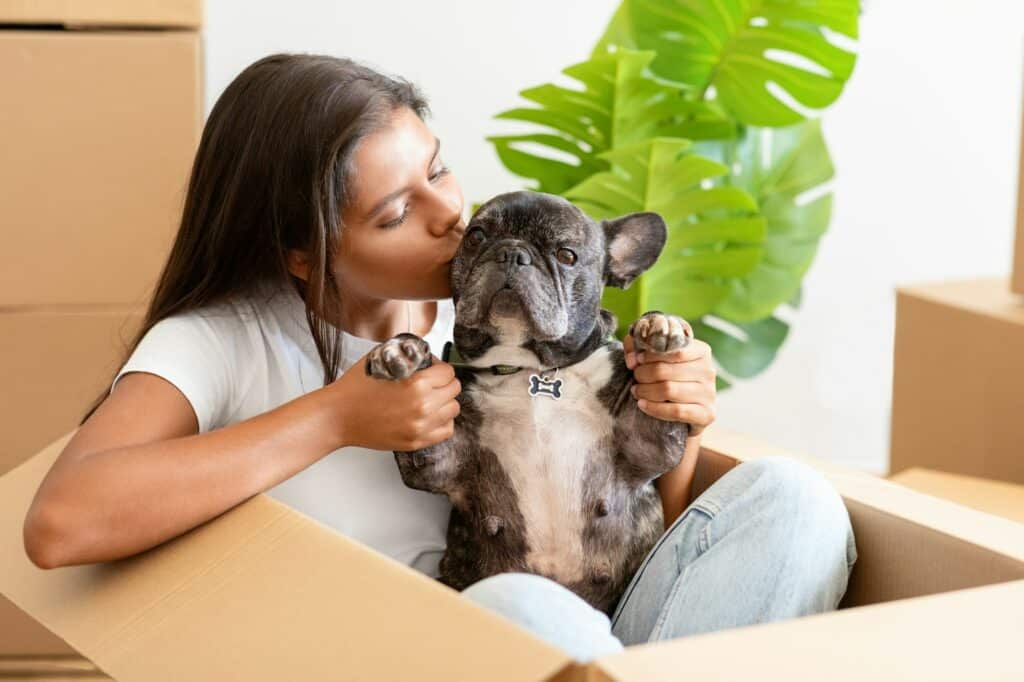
{"x": 404, "y": 223}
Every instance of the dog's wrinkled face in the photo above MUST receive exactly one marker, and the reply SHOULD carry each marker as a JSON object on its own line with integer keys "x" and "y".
{"x": 531, "y": 269}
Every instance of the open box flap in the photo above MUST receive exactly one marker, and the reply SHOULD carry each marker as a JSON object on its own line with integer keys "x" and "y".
{"x": 973, "y": 634}
{"x": 995, "y": 497}
{"x": 909, "y": 544}
{"x": 256, "y": 593}
{"x": 995, "y": 533}
{"x": 262, "y": 592}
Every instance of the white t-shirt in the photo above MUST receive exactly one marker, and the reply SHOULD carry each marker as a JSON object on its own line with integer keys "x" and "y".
{"x": 234, "y": 361}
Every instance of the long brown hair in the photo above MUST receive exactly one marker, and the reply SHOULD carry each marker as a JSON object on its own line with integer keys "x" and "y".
{"x": 273, "y": 172}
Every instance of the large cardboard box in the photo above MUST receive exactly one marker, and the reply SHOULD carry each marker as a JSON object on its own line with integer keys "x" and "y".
{"x": 263, "y": 592}
{"x": 1017, "y": 276}
{"x": 958, "y": 379}
{"x": 53, "y": 365}
{"x": 93, "y": 13}
{"x": 98, "y": 128}
{"x": 994, "y": 497}
{"x": 98, "y": 131}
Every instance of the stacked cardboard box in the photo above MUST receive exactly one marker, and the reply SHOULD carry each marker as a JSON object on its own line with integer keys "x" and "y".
{"x": 263, "y": 592}
{"x": 1017, "y": 276}
{"x": 101, "y": 118}
{"x": 958, "y": 379}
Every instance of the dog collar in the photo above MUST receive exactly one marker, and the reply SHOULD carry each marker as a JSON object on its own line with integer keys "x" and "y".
{"x": 452, "y": 357}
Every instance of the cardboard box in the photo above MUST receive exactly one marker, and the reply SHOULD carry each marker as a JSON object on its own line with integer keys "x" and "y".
{"x": 1017, "y": 274}
{"x": 53, "y": 366}
{"x": 263, "y": 592}
{"x": 98, "y": 131}
{"x": 89, "y": 13}
{"x": 994, "y": 497}
{"x": 48, "y": 669}
{"x": 24, "y": 637}
{"x": 958, "y": 379}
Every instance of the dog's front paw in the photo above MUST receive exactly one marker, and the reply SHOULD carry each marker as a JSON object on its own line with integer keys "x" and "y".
{"x": 660, "y": 332}
{"x": 398, "y": 357}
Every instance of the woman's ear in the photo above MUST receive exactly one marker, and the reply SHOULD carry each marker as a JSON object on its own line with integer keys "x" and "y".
{"x": 298, "y": 264}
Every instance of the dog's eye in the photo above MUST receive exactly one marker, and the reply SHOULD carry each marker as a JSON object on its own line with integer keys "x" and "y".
{"x": 476, "y": 235}
{"x": 565, "y": 256}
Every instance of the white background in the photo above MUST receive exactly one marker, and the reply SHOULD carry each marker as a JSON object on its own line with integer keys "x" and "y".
{"x": 924, "y": 139}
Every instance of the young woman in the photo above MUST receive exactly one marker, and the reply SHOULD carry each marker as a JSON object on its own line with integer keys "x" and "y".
{"x": 319, "y": 221}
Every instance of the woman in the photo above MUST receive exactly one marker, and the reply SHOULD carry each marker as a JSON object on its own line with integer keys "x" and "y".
{"x": 319, "y": 221}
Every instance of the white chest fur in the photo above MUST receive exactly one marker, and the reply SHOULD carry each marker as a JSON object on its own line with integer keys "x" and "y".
{"x": 543, "y": 445}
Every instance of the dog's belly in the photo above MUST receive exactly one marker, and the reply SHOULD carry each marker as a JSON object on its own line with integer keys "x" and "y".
{"x": 546, "y": 447}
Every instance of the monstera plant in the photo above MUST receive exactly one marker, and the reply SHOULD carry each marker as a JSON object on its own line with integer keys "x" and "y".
{"x": 703, "y": 111}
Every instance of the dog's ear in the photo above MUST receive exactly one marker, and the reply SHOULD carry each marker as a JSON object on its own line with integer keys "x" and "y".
{"x": 632, "y": 243}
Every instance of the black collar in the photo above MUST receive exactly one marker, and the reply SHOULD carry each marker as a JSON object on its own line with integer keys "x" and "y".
{"x": 451, "y": 356}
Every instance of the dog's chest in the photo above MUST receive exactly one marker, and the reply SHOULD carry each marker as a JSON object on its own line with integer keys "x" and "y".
{"x": 554, "y": 452}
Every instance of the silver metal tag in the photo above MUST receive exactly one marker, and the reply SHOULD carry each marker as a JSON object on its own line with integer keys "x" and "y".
{"x": 552, "y": 388}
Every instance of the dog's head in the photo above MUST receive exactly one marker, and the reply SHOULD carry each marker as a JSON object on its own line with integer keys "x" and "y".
{"x": 528, "y": 277}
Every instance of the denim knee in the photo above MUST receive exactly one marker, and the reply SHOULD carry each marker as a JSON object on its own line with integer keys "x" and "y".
{"x": 512, "y": 593}
{"x": 799, "y": 491}
{"x": 529, "y": 599}
{"x": 548, "y": 610}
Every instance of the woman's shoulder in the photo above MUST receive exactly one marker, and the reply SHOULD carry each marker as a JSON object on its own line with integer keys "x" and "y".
{"x": 237, "y": 324}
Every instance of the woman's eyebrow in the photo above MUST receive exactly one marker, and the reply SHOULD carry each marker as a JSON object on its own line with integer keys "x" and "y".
{"x": 399, "y": 192}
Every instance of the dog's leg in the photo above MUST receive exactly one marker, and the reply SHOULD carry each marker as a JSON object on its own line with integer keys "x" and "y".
{"x": 646, "y": 446}
{"x": 434, "y": 468}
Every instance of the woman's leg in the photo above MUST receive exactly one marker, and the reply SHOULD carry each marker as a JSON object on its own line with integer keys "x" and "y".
{"x": 770, "y": 540}
{"x": 547, "y": 609}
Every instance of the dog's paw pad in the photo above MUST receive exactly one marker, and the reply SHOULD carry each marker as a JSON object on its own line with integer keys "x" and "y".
{"x": 398, "y": 357}
{"x": 660, "y": 332}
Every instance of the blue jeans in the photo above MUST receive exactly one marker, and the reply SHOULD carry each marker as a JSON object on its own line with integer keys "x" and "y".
{"x": 769, "y": 540}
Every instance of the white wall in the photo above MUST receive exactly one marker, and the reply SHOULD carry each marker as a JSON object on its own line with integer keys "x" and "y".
{"x": 924, "y": 140}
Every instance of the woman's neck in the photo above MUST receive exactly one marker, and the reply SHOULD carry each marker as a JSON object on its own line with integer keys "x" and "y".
{"x": 380, "y": 320}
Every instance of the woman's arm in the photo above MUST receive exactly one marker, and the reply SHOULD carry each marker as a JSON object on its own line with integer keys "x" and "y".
{"x": 138, "y": 473}
{"x": 674, "y": 485}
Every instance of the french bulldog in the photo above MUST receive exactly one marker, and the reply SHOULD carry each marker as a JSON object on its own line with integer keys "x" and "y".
{"x": 551, "y": 464}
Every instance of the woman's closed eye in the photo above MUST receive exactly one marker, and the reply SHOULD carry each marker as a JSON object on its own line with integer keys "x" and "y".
{"x": 444, "y": 170}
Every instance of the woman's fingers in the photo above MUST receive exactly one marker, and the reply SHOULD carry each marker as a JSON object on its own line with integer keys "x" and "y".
{"x": 674, "y": 391}
{"x": 688, "y": 413}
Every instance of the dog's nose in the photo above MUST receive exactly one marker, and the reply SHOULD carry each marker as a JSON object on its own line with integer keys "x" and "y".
{"x": 512, "y": 253}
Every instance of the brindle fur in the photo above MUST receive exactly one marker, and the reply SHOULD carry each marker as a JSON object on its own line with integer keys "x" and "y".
{"x": 487, "y": 531}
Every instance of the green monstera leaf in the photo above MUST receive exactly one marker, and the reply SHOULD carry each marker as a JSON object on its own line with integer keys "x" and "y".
{"x": 743, "y": 350}
{"x": 738, "y": 47}
{"x": 715, "y": 233}
{"x": 619, "y": 104}
{"x": 780, "y": 168}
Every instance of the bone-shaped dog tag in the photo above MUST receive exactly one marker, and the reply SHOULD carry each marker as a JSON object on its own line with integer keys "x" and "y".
{"x": 552, "y": 388}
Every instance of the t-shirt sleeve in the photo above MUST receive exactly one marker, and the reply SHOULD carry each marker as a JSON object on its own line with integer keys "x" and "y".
{"x": 191, "y": 352}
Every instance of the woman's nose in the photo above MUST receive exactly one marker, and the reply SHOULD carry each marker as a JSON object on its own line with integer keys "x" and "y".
{"x": 449, "y": 213}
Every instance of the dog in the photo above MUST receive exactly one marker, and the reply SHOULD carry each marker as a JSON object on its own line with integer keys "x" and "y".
{"x": 550, "y": 467}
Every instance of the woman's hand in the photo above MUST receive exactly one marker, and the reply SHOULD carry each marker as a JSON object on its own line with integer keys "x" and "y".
{"x": 411, "y": 414}
{"x": 677, "y": 386}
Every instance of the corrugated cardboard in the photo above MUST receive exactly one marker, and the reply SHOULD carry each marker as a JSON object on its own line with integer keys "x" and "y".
{"x": 262, "y": 592}
{"x": 98, "y": 131}
{"x": 53, "y": 365}
{"x": 24, "y": 637}
{"x": 958, "y": 379}
{"x": 1017, "y": 274}
{"x": 48, "y": 669}
{"x": 994, "y": 497}
{"x": 123, "y": 13}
